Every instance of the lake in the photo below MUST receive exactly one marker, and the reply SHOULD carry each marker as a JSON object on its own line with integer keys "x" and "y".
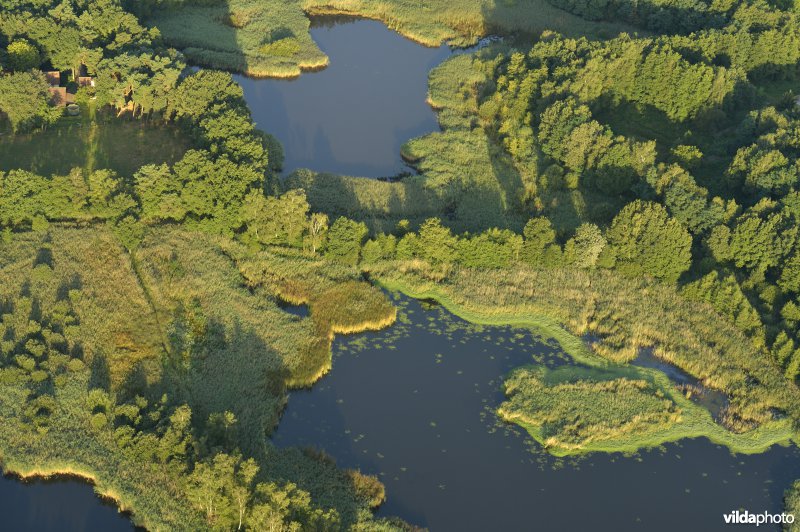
{"x": 57, "y": 505}
{"x": 352, "y": 117}
{"x": 414, "y": 404}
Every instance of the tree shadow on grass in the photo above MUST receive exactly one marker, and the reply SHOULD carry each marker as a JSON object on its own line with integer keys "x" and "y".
{"x": 231, "y": 369}
{"x": 259, "y": 38}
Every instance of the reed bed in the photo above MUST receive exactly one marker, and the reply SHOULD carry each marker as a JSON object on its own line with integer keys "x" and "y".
{"x": 176, "y": 317}
{"x": 270, "y": 38}
{"x": 626, "y": 315}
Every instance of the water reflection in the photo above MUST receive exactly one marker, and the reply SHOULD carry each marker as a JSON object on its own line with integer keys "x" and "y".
{"x": 414, "y": 404}
{"x": 352, "y": 117}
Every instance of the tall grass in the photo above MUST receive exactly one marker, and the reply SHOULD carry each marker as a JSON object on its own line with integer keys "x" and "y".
{"x": 115, "y": 318}
{"x": 381, "y": 204}
{"x": 153, "y": 493}
{"x": 115, "y": 325}
{"x": 791, "y": 502}
{"x": 574, "y": 410}
{"x": 339, "y": 302}
{"x": 462, "y": 22}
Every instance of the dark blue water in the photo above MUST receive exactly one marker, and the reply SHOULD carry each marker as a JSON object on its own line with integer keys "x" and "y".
{"x": 59, "y": 505}
{"x": 352, "y": 117}
{"x": 414, "y": 405}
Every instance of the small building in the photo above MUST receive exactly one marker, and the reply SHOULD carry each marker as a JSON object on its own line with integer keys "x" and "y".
{"x": 59, "y": 97}
{"x": 53, "y": 78}
{"x": 85, "y": 81}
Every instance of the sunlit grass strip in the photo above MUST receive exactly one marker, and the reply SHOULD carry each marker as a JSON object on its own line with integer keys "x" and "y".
{"x": 690, "y": 421}
{"x": 791, "y": 501}
{"x": 270, "y": 38}
{"x": 462, "y": 22}
{"x": 28, "y": 472}
{"x": 347, "y": 308}
{"x": 540, "y": 323}
{"x": 695, "y": 421}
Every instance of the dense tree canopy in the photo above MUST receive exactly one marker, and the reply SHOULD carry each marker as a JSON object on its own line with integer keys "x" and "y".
{"x": 645, "y": 240}
{"x": 21, "y": 56}
{"x": 24, "y": 100}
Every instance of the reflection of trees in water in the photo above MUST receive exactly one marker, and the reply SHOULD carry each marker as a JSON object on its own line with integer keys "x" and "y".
{"x": 329, "y": 21}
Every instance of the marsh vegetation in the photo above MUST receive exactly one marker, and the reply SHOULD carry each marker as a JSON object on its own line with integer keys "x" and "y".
{"x": 640, "y": 189}
{"x": 271, "y": 39}
{"x": 437, "y": 413}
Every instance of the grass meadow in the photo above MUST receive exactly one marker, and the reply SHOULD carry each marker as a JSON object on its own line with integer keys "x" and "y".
{"x": 77, "y": 142}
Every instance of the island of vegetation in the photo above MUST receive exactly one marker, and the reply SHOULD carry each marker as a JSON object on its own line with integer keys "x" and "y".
{"x": 641, "y": 188}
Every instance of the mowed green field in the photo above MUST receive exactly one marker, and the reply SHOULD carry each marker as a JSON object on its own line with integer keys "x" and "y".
{"x": 121, "y": 145}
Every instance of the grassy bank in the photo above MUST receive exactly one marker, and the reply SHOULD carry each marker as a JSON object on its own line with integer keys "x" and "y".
{"x": 116, "y": 144}
{"x": 464, "y": 173}
{"x": 338, "y": 302}
{"x": 574, "y": 410}
{"x": 256, "y": 38}
{"x": 241, "y": 292}
{"x": 70, "y": 447}
{"x": 792, "y": 505}
{"x": 463, "y": 22}
{"x": 626, "y": 315}
{"x": 381, "y": 204}
{"x": 271, "y": 38}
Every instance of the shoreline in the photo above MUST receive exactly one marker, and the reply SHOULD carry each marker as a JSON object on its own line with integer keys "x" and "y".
{"x": 301, "y": 67}
{"x": 700, "y": 424}
{"x": 70, "y": 473}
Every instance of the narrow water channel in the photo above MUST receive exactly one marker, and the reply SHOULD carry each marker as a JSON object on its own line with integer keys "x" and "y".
{"x": 352, "y": 117}
{"x": 414, "y": 405}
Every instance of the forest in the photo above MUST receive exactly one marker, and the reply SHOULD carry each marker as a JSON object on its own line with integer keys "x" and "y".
{"x": 625, "y": 172}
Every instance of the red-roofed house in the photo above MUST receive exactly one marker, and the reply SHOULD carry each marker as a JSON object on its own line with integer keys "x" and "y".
{"x": 53, "y": 78}
{"x": 59, "y": 96}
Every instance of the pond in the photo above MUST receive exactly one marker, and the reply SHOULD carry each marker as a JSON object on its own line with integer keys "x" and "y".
{"x": 352, "y": 117}
{"x": 414, "y": 404}
{"x": 57, "y": 505}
